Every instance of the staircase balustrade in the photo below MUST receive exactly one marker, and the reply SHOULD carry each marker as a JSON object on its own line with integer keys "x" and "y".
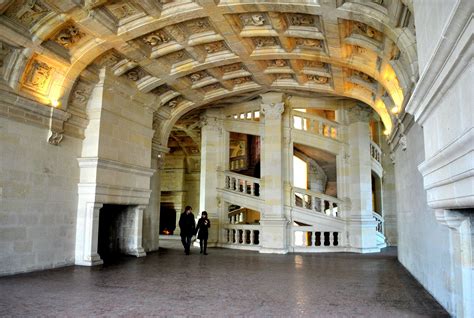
{"x": 375, "y": 152}
{"x": 314, "y": 237}
{"x": 315, "y": 125}
{"x": 248, "y": 115}
{"x": 242, "y": 184}
{"x": 380, "y": 222}
{"x": 242, "y": 234}
{"x": 316, "y": 202}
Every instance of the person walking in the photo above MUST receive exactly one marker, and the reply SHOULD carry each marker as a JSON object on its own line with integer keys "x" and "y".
{"x": 202, "y": 231}
{"x": 187, "y": 226}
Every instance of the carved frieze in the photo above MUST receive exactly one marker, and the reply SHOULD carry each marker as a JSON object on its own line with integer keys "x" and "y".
{"x": 283, "y": 76}
{"x": 197, "y": 26}
{"x": 364, "y": 29}
{"x": 156, "y": 38}
{"x": 214, "y": 47}
{"x": 108, "y": 59}
{"x": 309, "y": 43}
{"x": 264, "y": 41}
{"x": 175, "y": 102}
{"x": 195, "y": 77}
{"x": 27, "y": 12}
{"x": 68, "y": 36}
{"x": 241, "y": 80}
{"x": 135, "y": 74}
{"x": 316, "y": 64}
{"x": 122, "y": 10}
{"x": 231, "y": 68}
{"x": 38, "y": 76}
{"x": 212, "y": 87}
{"x": 318, "y": 79}
{"x": 301, "y": 20}
{"x": 277, "y": 63}
{"x": 178, "y": 56}
{"x": 361, "y": 75}
{"x": 253, "y": 19}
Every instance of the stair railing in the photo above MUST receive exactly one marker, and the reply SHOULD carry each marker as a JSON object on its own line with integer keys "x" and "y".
{"x": 316, "y": 202}
{"x": 315, "y": 125}
{"x": 242, "y": 184}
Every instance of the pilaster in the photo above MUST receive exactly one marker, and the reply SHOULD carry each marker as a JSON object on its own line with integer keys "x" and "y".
{"x": 273, "y": 221}
{"x": 362, "y": 225}
{"x": 87, "y": 236}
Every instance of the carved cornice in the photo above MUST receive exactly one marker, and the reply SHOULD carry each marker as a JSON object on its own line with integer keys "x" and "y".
{"x": 95, "y": 162}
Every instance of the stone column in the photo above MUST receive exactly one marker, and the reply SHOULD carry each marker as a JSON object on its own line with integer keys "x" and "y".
{"x": 132, "y": 228}
{"x": 212, "y": 164}
{"x": 90, "y": 256}
{"x": 362, "y": 225}
{"x": 273, "y": 221}
{"x": 151, "y": 215}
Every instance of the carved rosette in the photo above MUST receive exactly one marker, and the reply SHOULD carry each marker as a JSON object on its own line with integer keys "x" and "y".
{"x": 272, "y": 111}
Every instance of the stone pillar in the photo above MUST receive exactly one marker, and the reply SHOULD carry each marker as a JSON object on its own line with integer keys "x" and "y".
{"x": 132, "y": 231}
{"x": 212, "y": 163}
{"x": 362, "y": 225}
{"x": 90, "y": 256}
{"x": 273, "y": 221}
{"x": 151, "y": 215}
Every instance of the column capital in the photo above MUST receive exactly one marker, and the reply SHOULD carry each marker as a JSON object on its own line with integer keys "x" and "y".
{"x": 273, "y": 110}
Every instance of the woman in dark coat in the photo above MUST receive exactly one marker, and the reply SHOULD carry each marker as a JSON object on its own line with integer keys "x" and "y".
{"x": 202, "y": 231}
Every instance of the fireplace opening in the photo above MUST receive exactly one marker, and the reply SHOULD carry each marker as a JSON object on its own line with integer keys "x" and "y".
{"x": 110, "y": 223}
{"x": 167, "y": 218}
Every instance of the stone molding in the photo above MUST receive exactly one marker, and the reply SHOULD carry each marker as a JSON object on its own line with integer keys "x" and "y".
{"x": 450, "y": 58}
{"x": 115, "y": 165}
{"x": 437, "y": 172}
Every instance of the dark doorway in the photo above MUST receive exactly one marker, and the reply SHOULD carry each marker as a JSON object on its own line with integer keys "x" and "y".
{"x": 167, "y": 218}
{"x": 108, "y": 245}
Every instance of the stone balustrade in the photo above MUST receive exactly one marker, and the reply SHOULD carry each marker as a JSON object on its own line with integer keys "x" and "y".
{"x": 375, "y": 152}
{"x": 380, "y": 222}
{"x": 315, "y": 125}
{"x": 316, "y": 202}
{"x": 312, "y": 237}
{"x": 244, "y": 235}
{"x": 242, "y": 184}
{"x": 247, "y": 115}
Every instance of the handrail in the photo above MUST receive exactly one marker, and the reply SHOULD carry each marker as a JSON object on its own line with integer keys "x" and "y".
{"x": 380, "y": 222}
{"x": 317, "y": 125}
{"x": 317, "y": 202}
{"x": 315, "y": 236}
{"x": 242, "y": 234}
{"x": 375, "y": 152}
{"x": 242, "y": 184}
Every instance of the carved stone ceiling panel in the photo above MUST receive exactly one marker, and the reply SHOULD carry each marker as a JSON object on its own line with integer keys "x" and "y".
{"x": 195, "y": 53}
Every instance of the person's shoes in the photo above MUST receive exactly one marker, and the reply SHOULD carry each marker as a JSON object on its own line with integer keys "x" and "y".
{"x": 205, "y": 253}
{"x": 200, "y": 252}
{"x": 187, "y": 252}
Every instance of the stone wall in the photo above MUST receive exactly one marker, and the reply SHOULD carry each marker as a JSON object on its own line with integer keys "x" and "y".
{"x": 423, "y": 244}
{"x": 38, "y": 198}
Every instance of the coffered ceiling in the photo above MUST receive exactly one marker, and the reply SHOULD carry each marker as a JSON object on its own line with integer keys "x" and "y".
{"x": 193, "y": 53}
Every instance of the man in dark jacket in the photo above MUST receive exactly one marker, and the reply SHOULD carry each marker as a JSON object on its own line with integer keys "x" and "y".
{"x": 187, "y": 226}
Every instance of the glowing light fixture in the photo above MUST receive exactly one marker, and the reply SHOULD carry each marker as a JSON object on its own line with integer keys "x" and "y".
{"x": 395, "y": 110}
{"x": 386, "y": 132}
{"x": 54, "y": 103}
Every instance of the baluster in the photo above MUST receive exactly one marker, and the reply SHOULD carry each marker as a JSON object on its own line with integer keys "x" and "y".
{"x": 313, "y": 203}
{"x": 252, "y": 237}
{"x": 320, "y": 128}
{"x": 244, "y": 238}
{"x": 252, "y": 189}
{"x": 322, "y": 206}
{"x": 236, "y": 236}
{"x": 331, "y": 208}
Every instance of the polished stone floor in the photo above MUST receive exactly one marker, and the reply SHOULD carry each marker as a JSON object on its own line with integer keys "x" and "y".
{"x": 224, "y": 283}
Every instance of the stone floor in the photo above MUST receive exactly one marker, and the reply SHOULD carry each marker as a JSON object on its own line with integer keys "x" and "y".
{"x": 224, "y": 283}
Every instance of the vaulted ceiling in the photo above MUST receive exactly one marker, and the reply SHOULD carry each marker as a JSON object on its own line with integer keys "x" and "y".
{"x": 191, "y": 53}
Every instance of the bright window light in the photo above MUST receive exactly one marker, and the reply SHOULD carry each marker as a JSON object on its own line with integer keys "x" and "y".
{"x": 300, "y": 173}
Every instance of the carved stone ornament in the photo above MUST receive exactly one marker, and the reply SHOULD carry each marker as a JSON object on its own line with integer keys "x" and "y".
{"x": 283, "y": 76}
{"x": 214, "y": 47}
{"x": 318, "y": 79}
{"x": 198, "y": 26}
{"x": 38, "y": 76}
{"x": 55, "y": 137}
{"x": 272, "y": 111}
{"x": 392, "y": 157}
{"x": 108, "y": 59}
{"x": 80, "y": 95}
{"x": 27, "y": 12}
{"x": 363, "y": 76}
{"x": 212, "y": 87}
{"x": 301, "y": 20}
{"x": 156, "y": 38}
{"x": 403, "y": 142}
{"x": 264, "y": 41}
{"x": 4, "y": 51}
{"x": 364, "y": 29}
{"x": 123, "y": 10}
{"x": 176, "y": 56}
{"x": 313, "y": 43}
{"x": 241, "y": 80}
{"x": 197, "y": 76}
{"x": 135, "y": 74}
{"x": 315, "y": 64}
{"x": 68, "y": 36}
{"x": 277, "y": 63}
{"x": 210, "y": 122}
{"x": 231, "y": 68}
{"x": 256, "y": 19}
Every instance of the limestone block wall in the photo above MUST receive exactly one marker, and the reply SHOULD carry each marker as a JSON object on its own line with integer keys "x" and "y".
{"x": 432, "y": 15}
{"x": 423, "y": 244}
{"x": 38, "y": 198}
